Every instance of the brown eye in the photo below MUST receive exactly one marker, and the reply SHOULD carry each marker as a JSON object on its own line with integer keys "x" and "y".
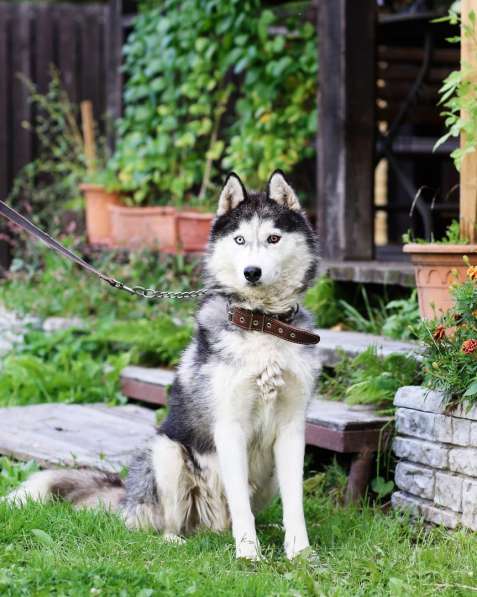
{"x": 239, "y": 240}
{"x": 273, "y": 239}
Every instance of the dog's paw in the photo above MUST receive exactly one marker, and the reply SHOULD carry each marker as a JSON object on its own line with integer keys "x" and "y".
{"x": 173, "y": 538}
{"x": 248, "y": 549}
{"x": 295, "y": 546}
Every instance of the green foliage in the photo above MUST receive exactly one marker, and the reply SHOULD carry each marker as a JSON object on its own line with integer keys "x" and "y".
{"x": 394, "y": 319}
{"x": 402, "y": 315}
{"x": 369, "y": 378}
{"x": 43, "y": 283}
{"x": 449, "y": 361}
{"x": 69, "y": 366}
{"x": 83, "y": 365}
{"x": 48, "y": 186}
{"x": 13, "y": 473}
{"x": 207, "y": 89}
{"x": 453, "y": 236}
{"x": 459, "y": 95}
{"x": 322, "y": 301}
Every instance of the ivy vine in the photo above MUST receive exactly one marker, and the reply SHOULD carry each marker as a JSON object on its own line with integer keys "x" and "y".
{"x": 210, "y": 88}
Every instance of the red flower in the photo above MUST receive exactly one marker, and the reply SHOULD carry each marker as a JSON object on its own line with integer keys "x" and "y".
{"x": 469, "y": 346}
{"x": 439, "y": 333}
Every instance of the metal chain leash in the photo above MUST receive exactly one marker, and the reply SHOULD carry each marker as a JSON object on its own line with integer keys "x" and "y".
{"x": 153, "y": 293}
{"x": 52, "y": 243}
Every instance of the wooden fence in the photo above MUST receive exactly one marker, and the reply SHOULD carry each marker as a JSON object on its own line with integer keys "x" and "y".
{"x": 83, "y": 41}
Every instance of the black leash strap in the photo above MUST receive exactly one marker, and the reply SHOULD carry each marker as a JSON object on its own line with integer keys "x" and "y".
{"x": 151, "y": 293}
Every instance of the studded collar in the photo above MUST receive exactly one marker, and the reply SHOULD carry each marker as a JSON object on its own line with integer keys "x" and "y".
{"x": 276, "y": 325}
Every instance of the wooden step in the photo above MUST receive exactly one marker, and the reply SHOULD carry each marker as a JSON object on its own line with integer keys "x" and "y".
{"x": 82, "y": 435}
{"x": 331, "y": 425}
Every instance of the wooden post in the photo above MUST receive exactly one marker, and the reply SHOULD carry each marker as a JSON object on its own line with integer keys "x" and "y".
{"x": 87, "y": 122}
{"x": 113, "y": 56}
{"x": 346, "y": 128}
{"x": 468, "y": 172}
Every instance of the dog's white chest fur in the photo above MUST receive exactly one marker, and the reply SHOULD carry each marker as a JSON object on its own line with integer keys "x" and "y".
{"x": 269, "y": 380}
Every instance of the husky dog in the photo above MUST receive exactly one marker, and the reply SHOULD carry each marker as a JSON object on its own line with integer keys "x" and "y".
{"x": 235, "y": 433}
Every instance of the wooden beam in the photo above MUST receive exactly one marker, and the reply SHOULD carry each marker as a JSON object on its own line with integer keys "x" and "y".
{"x": 468, "y": 172}
{"x": 87, "y": 123}
{"x": 113, "y": 58}
{"x": 346, "y": 128}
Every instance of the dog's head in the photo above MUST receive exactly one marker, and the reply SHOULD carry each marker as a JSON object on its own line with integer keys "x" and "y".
{"x": 262, "y": 248}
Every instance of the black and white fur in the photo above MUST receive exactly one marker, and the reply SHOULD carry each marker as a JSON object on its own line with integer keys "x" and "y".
{"x": 235, "y": 430}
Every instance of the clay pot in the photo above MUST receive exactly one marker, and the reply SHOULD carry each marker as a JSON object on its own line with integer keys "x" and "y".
{"x": 98, "y": 223}
{"x": 144, "y": 227}
{"x": 436, "y": 267}
{"x": 194, "y": 229}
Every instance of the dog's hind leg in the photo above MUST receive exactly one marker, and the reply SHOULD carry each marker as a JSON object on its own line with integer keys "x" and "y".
{"x": 174, "y": 486}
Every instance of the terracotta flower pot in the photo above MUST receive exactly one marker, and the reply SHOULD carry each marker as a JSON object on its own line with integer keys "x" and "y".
{"x": 194, "y": 229}
{"x": 98, "y": 223}
{"x": 436, "y": 267}
{"x": 144, "y": 227}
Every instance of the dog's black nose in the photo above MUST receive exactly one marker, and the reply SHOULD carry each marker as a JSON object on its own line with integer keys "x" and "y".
{"x": 252, "y": 273}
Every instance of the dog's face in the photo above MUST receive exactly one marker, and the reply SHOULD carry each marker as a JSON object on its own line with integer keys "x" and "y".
{"x": 261, "y": 247}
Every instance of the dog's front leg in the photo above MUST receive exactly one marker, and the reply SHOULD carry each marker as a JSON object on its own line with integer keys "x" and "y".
{"x": 231, "y": 444}
{"x": 289, "y": 455}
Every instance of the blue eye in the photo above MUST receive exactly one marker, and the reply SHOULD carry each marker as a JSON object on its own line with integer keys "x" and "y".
{"x": 273, "y": 239}
{"x": 239, "y": 240}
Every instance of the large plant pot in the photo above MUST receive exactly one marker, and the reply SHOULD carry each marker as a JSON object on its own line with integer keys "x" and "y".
{"x": 436, "y": 267}
{"x": 98, "y": 223}
{"x": 144, "y": 227}
{"x": 194, "y": 229}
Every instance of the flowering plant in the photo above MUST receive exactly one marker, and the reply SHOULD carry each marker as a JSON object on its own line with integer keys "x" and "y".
{"x": 450, "y": 355}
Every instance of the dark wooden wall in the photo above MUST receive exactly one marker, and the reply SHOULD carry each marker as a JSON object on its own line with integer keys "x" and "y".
{"x": 83, "y": 41}
{"x": 346, "y": 121}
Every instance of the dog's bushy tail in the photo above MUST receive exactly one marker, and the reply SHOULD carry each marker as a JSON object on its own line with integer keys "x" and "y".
{"x": 84, "y": 489}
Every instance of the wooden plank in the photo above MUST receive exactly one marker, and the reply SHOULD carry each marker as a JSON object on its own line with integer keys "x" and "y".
{"x": 468, "y": 170}
{"x": 354, "y": 343}
{"x": 75, "y": 435}
{"x": 92, "y": 75}
{"x": 331, "y": 425}
{"x": 416, "y": 54}
{"x": 5, "y": 152}
{"x": 344, "y": 442}
{"x": 113, "y": 57}
{"x": 346, "y": 109}
{"x": 338, "y": 416}
{"x": 44, "y": 47}
{"x": 22, "y": 65}
{"x": 408, "y": 73}
{"x": 67, "y": 50}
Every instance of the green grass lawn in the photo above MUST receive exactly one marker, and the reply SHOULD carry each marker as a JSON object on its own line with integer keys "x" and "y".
{"x": 54, "y": 550}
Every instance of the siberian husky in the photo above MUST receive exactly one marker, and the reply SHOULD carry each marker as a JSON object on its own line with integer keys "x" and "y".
{"x": 234, "y": 434}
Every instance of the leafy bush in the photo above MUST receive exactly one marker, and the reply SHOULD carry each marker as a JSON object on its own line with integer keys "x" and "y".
{"x": 450, "y": 358}
{"x": 49, "y": 185}
{"x": 322, "y": 301}
{"x": 395, "y": 319}
{"x": 45, "y": 284}
{"x": 459, "y": 94}
{"x": 207, "y": 89}
{"x": 369, "y": 378}
{"x": 81, "y": 365}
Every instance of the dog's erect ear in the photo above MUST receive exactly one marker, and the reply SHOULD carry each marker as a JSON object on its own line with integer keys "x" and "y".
{"x": 232, "y": 194}
{"x": 280, "y": 191}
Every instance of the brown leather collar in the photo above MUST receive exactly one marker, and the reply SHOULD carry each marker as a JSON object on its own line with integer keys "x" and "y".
{"x": 258, "y": 321}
